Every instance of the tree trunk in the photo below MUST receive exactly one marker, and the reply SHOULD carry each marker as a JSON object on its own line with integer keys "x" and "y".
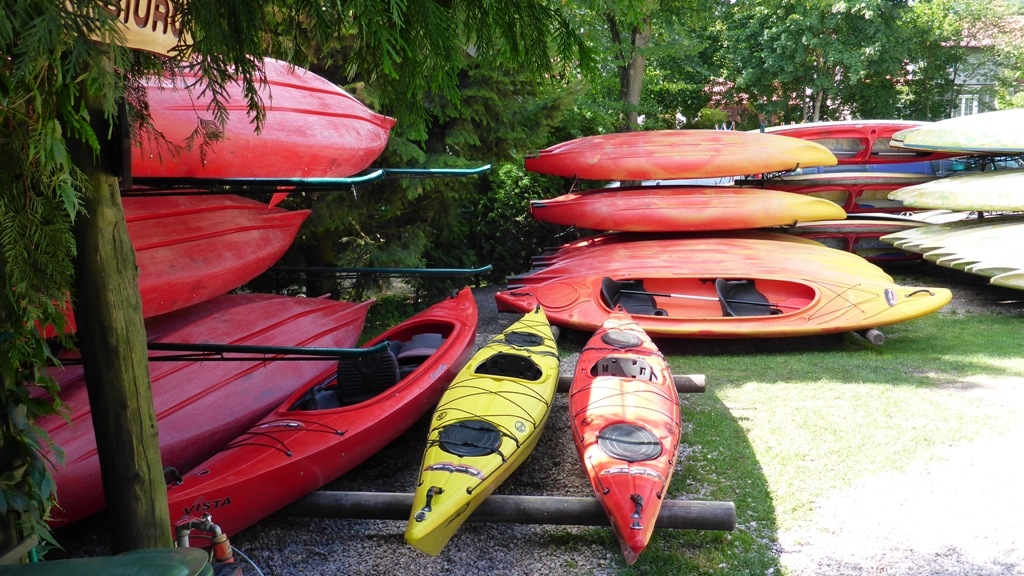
{"x": 112, "y": 338}
{"x": 630, "y": 68}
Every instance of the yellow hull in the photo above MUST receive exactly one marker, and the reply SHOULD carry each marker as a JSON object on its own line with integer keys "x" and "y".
{"x": 484, "y": 427}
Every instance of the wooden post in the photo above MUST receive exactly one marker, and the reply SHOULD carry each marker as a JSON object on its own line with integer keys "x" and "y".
{"x": 685, "y": 383}
{"x": 555, "y": 510}
{"x": 112, "y": 337}
{"x": 873, "y": 335}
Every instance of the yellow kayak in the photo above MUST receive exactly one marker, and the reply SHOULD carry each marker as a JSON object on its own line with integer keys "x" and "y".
{"x": 484, "y": 427}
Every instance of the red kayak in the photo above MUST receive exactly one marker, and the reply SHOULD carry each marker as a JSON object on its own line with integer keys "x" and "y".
{"x": 192, "y": 248}
{"x": 862, "y": 191}
{"x": 682, "y": 208}
{"x": 333, "y": 422}
{"x": 313, "y": 129}
{"x": 201, "y": 405}
{"x": 624, "y": 411}
{"x": 860, "y": 235}
{"x": 673, "y": 154}
{"x": 860, "y": 141}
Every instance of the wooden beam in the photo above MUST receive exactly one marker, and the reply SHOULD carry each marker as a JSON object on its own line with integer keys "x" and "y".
{"x": 500, "y": 509}
{"x": 685, "y": 383}
{"x": 873, "y": 335}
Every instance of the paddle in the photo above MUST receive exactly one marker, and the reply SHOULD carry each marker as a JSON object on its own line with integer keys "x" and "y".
{"x": 708, "y": 298}
{"x": 252, "y": 349}
{"x": 394, "y": 272}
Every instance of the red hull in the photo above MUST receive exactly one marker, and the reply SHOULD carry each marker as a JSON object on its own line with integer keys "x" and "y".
{"x": 624, "y": 411}
{"x": 190, "y": 249}
{"x": 682, "y": 208}
{"x": 313, "y": 129}
{"x": 860, "y": 236}
{"x": 200, "y": 406}
{"x": 860, "y": 141}
{"x": 669, "y": 154}
{"x": 297, "y": 451}
{"x": 856, "y": 192}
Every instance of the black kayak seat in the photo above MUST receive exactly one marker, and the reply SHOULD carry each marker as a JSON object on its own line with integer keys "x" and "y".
{"x": 643, "y": 304}
{"x": 363, "y": 377}
{"x": 741, "y": 298}
{"x": 623, "y": 367}
{"x": 417, "y": 350}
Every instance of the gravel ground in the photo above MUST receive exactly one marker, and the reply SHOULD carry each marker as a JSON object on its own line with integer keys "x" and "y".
{"x": 957, "y": 514}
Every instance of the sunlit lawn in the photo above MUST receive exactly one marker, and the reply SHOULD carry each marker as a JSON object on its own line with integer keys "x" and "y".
{"x": 784, "y": 424}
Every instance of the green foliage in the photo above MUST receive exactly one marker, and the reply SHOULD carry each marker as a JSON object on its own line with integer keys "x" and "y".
{"x": 710, "y": 118}
{"x": 411, "y": 49}
{"x": 503, "y": 232}
{"x": 49, "y": 65}
{"x": 817, "y": 60}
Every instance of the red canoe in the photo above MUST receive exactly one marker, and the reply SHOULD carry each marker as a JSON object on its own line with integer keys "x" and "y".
{"x": 324, "y": 429}
{"x": 673, "y": 154}
{"x": 313, "y": 129}
{"x": 682, "y": 208}
{"x": 624, "y": 411}
{"x": 191, "y": 248}
{"x": 860, "y": 141}
{"x": 201, "y": 405}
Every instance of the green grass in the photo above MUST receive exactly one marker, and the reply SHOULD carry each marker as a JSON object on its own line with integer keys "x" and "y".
{"x": 785, "y": 423}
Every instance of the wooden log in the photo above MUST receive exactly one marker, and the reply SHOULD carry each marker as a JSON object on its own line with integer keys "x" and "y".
{"x": 872, "y": 335}
{"x": 685, "y": 383}
{"x": 501, "y": 509}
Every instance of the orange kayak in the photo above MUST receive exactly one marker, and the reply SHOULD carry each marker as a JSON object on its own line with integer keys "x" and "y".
{"x": 727, "y": 253}
{"x": 624, "y": 411}
{"x": 682, "y": 208}
{"x": 681, "y": 301}
{"x": 668, "y": 154}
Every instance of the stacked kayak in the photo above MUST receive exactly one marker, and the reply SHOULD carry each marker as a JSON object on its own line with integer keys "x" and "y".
{"x": 192, "y": 248}
{"x": 984, "y": 242}
{"x": 856, "y": 142}
{"x": 855, "y": 191}
{"x": 670, "y": 154}
{"x": 202, "y": 404}
{"x": 719, "y": 288}
{"x": 313, "y": 129}
{"x": 624, "y": 412}
{"x": 860, "y": 234}
{"x": 869, "y": 166}
{"x": 485, "y": 425}
{"x": 986, "y": 133}
{"x": 682, "y": 208}
{"x": 332, "y": 422}
{"x": 994, "y": 191}
{"x": 987, "y": 246}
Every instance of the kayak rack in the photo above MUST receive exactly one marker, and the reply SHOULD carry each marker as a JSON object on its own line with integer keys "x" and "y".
{"x": 507, "y": 509}
{"x": 344, "y": 272}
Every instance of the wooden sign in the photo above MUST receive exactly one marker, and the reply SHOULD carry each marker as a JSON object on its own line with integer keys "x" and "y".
{"x": 150, "y": 25}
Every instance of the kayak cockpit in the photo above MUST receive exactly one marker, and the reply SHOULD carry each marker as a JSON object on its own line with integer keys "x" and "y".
{"x": 742, "y": 298}
{"x": 360, "y": 378}
{"x": 629, "y": 294}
